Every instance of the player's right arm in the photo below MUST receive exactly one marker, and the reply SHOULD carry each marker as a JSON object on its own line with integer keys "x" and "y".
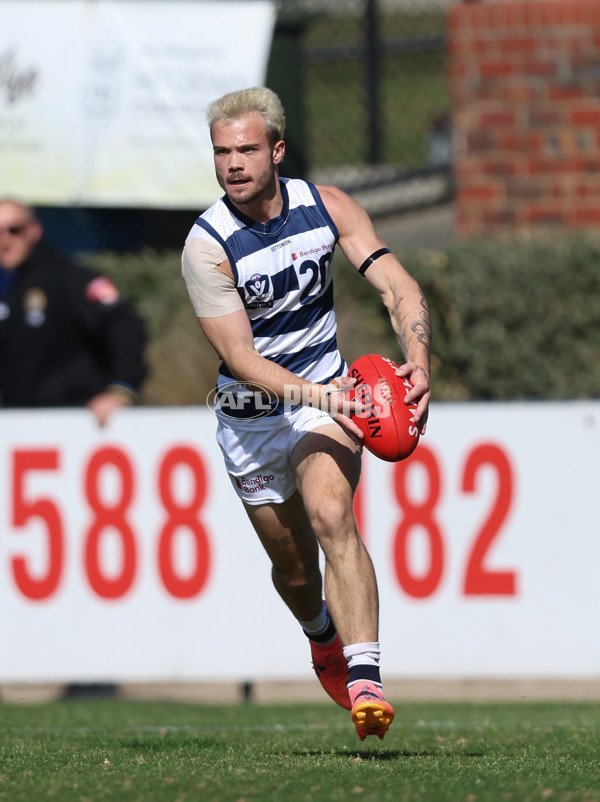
{"x": 226, "y": 326}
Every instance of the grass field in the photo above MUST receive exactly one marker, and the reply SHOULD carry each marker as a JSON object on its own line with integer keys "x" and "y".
{"x": 88, "y": 751}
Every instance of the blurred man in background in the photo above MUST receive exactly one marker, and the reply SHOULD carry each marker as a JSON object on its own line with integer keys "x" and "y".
{"x": 67, "y": 338}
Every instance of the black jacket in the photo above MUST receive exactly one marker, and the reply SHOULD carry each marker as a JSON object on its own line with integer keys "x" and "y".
{"x": 65, "y": 334}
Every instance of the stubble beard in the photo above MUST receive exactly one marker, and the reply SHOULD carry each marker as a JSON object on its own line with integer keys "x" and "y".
{"x": 263, "y": 182}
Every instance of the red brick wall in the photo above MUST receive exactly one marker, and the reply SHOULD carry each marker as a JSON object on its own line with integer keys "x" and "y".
{"x": 525, "y": 79}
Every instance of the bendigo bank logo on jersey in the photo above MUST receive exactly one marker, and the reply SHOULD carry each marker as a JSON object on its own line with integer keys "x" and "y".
{"x": 258, "y": 291}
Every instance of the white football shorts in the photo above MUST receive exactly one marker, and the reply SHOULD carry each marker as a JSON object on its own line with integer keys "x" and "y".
{"x": 257, "y": 456}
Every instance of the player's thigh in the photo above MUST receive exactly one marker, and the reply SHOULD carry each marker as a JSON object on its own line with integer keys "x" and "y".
{"x": 326, "y": 463}
{"x": 285, "y": 533}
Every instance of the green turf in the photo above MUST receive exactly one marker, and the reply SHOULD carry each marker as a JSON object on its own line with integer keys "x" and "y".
{"x": 133, "y": 751}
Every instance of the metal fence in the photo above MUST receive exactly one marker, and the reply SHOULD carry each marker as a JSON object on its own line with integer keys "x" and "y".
{"x": 366, "y": 92}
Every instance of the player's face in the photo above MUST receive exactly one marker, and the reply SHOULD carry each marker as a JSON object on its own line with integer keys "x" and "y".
{"x": 245, "y": 162}
{"x": 18, "y": 234}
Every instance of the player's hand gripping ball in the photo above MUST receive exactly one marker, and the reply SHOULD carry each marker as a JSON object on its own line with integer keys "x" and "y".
{"x": 387, "y": 423}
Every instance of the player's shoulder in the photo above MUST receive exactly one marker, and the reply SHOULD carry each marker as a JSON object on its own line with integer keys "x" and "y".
{"x": 298, "y": 192}
{"x": 201, "y": 254}
{"x": 330, "y": 191}
{"x": 216, "y": 224}
{"x": 203, "y": 248}
{"x": 341, "y": 206}
{"x": 334, "y": 196}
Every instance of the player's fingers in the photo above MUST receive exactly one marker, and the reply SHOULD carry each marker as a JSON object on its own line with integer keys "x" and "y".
{"x": 410, "y": 368}
{"x": 416, "y": 393}
{"x": 335, "y": 400}
{"x": 419, "y": 379}
{"x": 346, "y": 406}
{"x": 422, "y": 416}
{"x": 348, "y": 424}
{"x": 405, "y": 369}
{"x": 345, "y": 382}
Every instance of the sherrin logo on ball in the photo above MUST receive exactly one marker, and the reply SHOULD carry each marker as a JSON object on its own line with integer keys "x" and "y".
{"x": 388, "y": 424}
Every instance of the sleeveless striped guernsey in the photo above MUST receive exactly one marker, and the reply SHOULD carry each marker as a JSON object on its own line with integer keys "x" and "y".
{"x": 282, "y": 271}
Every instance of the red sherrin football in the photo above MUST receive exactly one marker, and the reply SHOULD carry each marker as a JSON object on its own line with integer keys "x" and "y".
{"x": 388, "y": 424}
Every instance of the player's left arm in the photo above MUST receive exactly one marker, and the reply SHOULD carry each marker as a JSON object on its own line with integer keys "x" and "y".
{"x": 400, "y": 293}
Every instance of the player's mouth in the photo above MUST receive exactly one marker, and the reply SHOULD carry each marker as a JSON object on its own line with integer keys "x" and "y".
{"x": 238, "y": 181}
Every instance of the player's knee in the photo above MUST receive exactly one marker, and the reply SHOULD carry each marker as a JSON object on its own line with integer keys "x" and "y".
{"x": 333, "y": 518}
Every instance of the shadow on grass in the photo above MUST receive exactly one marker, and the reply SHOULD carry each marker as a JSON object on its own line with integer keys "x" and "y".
{"x": 389, "y": 754}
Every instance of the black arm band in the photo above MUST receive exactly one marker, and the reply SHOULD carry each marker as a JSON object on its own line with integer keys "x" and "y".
{"x": 370, "y": 259}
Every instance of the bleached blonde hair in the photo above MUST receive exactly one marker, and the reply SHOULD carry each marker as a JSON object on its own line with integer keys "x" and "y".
{"x": 257, "y": 98}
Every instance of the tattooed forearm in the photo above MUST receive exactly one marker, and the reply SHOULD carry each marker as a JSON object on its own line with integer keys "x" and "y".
{"x": 422, "y": 326}
{"x": 405, "y": 327}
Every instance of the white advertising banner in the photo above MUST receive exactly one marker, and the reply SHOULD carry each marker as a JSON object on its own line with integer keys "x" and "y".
{"x": 102, "y": 102}
{"x": 125, "y": 554}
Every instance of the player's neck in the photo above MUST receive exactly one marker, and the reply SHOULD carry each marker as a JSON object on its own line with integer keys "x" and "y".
{"x": 266, "y": 206}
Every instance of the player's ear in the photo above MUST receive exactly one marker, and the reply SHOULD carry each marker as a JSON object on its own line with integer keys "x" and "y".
{"x": 278, "y": 151}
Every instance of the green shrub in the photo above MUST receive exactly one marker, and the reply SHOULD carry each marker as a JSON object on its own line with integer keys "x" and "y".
{"x": 516, "y": 319}
{"x": 512, "y": 319}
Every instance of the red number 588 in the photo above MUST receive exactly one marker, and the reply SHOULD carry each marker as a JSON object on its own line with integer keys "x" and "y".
{"x": 112, "y": 516}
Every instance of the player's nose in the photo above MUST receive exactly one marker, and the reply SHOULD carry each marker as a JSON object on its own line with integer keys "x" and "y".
{"x": 235, "y": 163}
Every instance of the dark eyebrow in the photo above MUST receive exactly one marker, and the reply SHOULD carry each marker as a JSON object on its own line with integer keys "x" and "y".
{"x": 239, "y": 147}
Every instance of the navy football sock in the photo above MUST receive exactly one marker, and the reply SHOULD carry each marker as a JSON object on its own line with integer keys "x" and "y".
{"x": 320, "y": 629}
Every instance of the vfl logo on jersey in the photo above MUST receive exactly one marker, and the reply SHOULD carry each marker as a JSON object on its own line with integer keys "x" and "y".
{"x": 259, "y": 292}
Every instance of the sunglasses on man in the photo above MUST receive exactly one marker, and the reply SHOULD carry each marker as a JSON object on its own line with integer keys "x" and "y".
{"x": 14, "y": 231}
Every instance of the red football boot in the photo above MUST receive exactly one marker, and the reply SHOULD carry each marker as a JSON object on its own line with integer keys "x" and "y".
{"x": 371, "y": 714}
{"x": 331, "y": 668}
